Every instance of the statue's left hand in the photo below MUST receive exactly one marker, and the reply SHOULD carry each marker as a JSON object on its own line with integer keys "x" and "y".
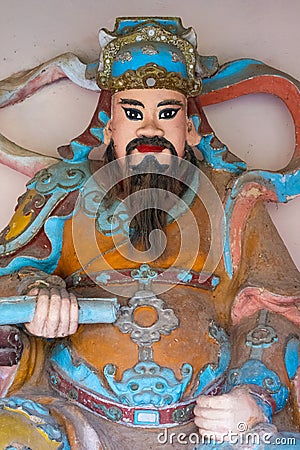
{"x": 221, "y": 415}
{"x": 56, "y": 313}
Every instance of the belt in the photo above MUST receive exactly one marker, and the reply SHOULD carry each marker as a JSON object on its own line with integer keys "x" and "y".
{"x": 145, "y": 417}
{"x": 168, "y": 276}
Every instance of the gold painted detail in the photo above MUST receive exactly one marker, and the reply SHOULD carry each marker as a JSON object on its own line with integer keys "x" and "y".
{"x": 149, "y": 50}
{"x": 176, "y": 57}
{"x": 135, "y": 80}
{"x": 24, "y": 214}
{"x": 124, "y": 56}
{"x": 22, "y": 430}
{"x": 150, "y": 76}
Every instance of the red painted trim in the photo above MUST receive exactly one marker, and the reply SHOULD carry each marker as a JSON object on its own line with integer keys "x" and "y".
{"x": 246, "y": 199}
{"x": 97, "y": 404}
{"x": 267, "y": 84}
{"x": 252, "y": 299}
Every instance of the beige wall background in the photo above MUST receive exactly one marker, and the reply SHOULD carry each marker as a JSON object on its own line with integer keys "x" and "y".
{"x": 257, "y": 128}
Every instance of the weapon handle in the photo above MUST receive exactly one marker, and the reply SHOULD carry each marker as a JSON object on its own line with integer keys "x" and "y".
{"x": 18, "y": 310}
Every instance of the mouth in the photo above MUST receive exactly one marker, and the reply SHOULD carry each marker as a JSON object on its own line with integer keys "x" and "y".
{"x": 146, "y": 148}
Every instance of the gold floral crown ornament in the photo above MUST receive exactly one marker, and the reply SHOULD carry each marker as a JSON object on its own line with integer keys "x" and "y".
{"x": 149, "y": 53}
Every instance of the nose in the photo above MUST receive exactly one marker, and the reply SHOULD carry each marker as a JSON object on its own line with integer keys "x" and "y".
{"x": 149, "y": 128}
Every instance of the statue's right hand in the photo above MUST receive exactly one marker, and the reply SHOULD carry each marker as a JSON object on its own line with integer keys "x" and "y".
{"x": 56, "y": 313}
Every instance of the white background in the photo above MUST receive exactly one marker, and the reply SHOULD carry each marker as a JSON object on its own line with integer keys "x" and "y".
{"x": 258, "y": 128}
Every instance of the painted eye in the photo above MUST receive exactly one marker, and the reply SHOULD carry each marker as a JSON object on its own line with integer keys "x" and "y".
{"x": 133, "y": 114}
{"x": 168, "y": 113}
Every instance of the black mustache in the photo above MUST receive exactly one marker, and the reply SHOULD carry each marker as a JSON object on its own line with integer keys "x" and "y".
{"x": 149, "y": 162}
{"x": 155, "y": 140}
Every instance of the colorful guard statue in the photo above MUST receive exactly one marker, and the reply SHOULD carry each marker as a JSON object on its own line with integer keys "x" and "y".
{"x": 147, "y": 300}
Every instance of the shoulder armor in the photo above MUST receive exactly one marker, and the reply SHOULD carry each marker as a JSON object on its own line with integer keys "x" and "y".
{"x": 41, "y": 213}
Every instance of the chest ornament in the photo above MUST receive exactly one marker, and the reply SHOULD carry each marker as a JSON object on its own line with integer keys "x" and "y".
{"x": 146, "y": 389}
{"x": 146, "y": 319}
{"x": 145, "y": 331}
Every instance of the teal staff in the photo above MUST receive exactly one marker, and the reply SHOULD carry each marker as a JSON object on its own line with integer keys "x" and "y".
{"x": 17, "y": 310}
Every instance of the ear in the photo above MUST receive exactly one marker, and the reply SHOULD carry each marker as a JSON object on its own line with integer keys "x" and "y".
{"x": 107, "y": 133}
{"x": 192, "y": 136}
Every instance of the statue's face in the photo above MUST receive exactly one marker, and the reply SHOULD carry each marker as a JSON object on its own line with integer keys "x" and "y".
{"x": 150, "y": 113}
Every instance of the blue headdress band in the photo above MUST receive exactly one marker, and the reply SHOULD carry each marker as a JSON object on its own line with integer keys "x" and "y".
{"x": 145, "y": 53}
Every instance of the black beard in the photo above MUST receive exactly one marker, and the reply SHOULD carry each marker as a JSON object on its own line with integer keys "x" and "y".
{"x": 166, "y": 179}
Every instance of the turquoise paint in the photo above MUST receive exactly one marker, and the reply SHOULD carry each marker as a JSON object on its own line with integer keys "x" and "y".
{"x": 214, "y": 157}
{"x": 54, "y": 231}
{"x": 147, "y": 384}
{"x": 139, "y": 59}
{"x": 56, "y": 181}
{"x": 215, "y": 281}
{"x": 61, "y": 177}
{"x": 285, "y": 186}
{"x": 20, "y": 309}
{"x": 33, "y": 228}
{"x": 113, "y": 220}
{"x": 79, "y": 372}
{"x": 90, "y": 67}
{"x": 98, "y": 132}
{"x": 186, "y": 200}
{"x": 41, "y": 416}
{"x": 240, "y": 70}
{"x": 103, "y": 117}
{"x": 152, "y": 414}
{"x": 80, "y": 152}
{"x": 233, "y": 68}
{"x": 184, "y": 276}
{"x": 129, "y": 23}
{"x": 144, "y": 275}
{"x": 255, "y": 372}
{"x": 103, "y": 278}
{"x": 291, "y": 357}
{"x": 212, "y": 372}
{"x": 196, "y": 121}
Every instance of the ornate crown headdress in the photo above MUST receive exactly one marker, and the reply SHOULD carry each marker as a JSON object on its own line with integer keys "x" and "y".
{"x": 145, "y": 53}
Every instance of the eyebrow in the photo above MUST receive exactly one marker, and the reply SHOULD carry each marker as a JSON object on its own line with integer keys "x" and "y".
{"x": 129, "y": 101}
{"x": 170, "y": 102}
